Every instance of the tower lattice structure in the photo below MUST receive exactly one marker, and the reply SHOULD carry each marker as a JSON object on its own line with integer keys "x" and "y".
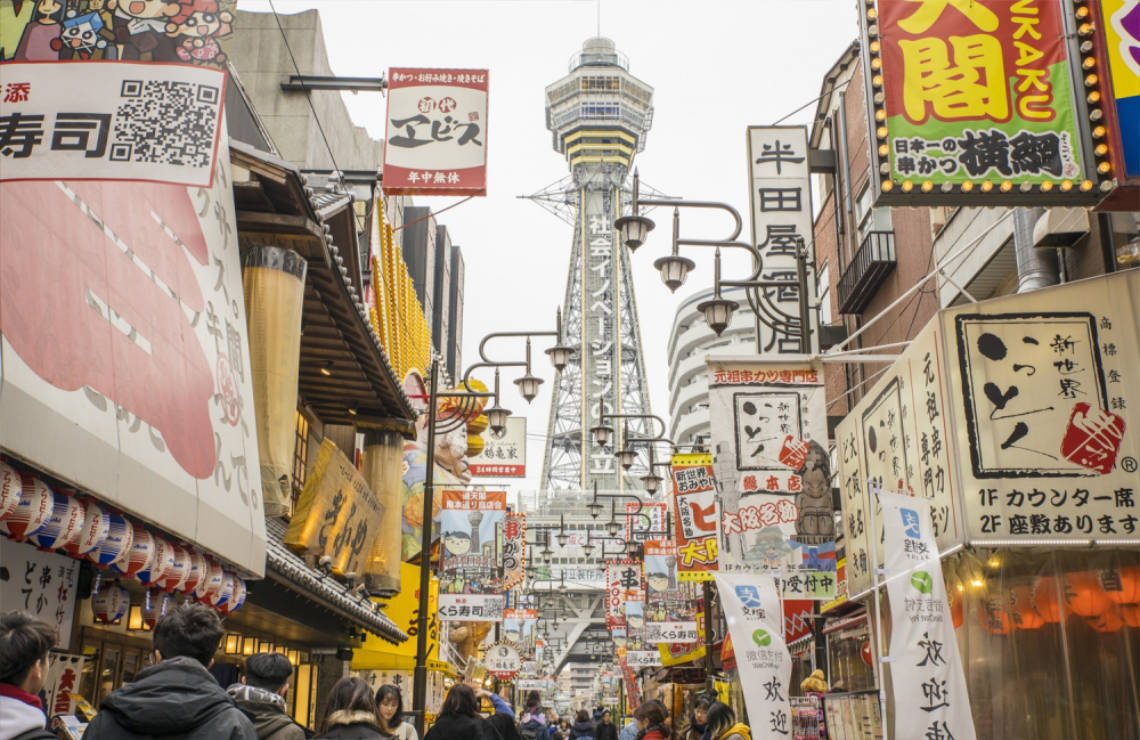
{"x": 598, "y": 115}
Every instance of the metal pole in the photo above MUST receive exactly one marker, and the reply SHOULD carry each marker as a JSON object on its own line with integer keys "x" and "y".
{"x": 706, "y": 593}
{"x": 802, "y": 279}
{"x": 419, "y": 678}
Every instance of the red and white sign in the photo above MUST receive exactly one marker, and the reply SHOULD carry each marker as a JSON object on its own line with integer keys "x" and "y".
{"x": 436, "y": 140}
{"x": 503, "y": 661}
{"x": 502, "y": 457}
{"x": 109, "y": 120}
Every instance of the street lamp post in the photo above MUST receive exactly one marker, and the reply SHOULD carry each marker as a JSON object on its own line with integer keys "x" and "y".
{"x": 496, "y": 419}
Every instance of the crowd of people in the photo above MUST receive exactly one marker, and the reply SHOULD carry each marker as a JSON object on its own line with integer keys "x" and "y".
{"x": 178, "y": 697}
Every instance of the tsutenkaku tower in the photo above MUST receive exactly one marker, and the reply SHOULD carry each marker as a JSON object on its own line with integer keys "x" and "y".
{"x": 599, "y": 115}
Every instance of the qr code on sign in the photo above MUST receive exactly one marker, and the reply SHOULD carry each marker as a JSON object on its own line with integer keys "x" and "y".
{"x": 166, "y": 122}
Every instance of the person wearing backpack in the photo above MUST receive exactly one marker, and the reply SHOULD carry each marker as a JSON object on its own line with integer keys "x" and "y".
{"x": 583, "y": 728}
{"x": 532, "y": 723}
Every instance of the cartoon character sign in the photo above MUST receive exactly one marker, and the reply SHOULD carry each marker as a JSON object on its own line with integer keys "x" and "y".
{"x": 140, "y": 27}
{"x": 196, "y": 29}
{"x": 40, "y": 40}
{"x": 82, "y": 35}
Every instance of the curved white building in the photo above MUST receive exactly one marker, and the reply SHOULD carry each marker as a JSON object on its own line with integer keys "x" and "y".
{"x": 691, "y": 341}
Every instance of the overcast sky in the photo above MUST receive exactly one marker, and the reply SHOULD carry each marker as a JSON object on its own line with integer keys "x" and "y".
{"x": 716, "y": 66}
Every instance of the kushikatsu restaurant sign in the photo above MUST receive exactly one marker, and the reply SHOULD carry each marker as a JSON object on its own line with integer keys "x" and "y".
{"x": 109, "y": 120}
{"x": 436, "y": 132}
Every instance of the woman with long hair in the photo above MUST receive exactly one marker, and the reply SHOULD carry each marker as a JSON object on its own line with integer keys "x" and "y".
{"x": 350, "y": 713}
{"x": 651, "y": 722}
{"x": 390, "y": 709}
{"x": 698, "y": 720}
{"x": 582, "y": 727}
{"x": 723, "y": 724}
{"x": 459, "y": 717}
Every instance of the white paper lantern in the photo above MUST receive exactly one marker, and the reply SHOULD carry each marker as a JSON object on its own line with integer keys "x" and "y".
{"x": 96, "y": 525}
{"x": 11, "y": 485}
{"x": 37, "y": 502}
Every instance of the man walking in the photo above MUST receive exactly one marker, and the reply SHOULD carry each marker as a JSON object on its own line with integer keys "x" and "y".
{"x": 177, "y": 697}
{"x": 261, "y": 695}
{"x": 24, "y": 645}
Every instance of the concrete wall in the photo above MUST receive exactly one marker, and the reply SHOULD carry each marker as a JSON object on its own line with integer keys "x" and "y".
{"x": 259, "y": 54}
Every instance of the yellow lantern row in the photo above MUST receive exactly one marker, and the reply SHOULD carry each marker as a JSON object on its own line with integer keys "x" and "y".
{"x": 397, "y": 317}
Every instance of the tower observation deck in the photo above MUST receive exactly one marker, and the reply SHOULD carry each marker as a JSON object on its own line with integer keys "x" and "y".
{"x": 598, "y": 116}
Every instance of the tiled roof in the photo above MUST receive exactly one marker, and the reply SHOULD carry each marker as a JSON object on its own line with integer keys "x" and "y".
{"x": 291, "y": 571}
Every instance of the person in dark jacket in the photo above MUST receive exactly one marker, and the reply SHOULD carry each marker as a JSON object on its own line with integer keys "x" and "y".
{"x": 350, "y": 713}
{"x": 698, "y": 722}
{"x": 261, "y": 695}
{"x": 177, "y": 698}
{"x": 24, "y": 645}
{"x": 583, "y": 728}
{"x": 605, "y": 729}
{"x": 459, "y": 716}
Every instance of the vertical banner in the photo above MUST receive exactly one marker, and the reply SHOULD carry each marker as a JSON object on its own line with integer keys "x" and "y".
{"x": 502, "y": 456}
{"x": 435, "y": 139}
{"x": 755, "y": 617}
{"x": 696, "y": 513}
{"x": 514, "y": 551}
{"x": 929, "y": 684}
{"x": 471, "y": 561}
{"x": 769, "y": 436}
{"x": 644, "y": 520}
{"x": 781, "y": 217}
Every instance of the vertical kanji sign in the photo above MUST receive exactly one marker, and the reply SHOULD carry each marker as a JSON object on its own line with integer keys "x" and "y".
{"x": 696, "y": 513}
{"x": 436, "y": 140}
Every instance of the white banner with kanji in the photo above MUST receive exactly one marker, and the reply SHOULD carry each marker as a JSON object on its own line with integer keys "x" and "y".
{"x": 929, "y": 685}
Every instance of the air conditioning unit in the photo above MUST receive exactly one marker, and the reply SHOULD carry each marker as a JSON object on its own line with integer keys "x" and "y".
{"x": 1061, "y": 227}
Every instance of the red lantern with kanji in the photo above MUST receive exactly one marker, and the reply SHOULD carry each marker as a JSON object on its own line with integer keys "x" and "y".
{"x": 11, "y": 484}
{"x": 96, "y": 525}
{"x": 141, "y": 554}
{"x": 1045, "y": 599}
{"x": 865, "y": 652}
{"x": 1109, "y": 621}
{"x": 1084, "y": 595}
{"x": 1121, "y": 585}
{"x": 35, "y": 507}
{"x": 1022, "y": 611}
{"x": 110, "y": 604}
{"x": 993, "y": 617}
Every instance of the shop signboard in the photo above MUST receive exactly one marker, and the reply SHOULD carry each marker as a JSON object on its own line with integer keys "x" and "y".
{"x": 972, "y": 103}
{"x": 514, "y": 551}
{"x": 644, "y": 520}
{"x": 435, "y": 140}
{"x": 404, "y": 610}
{"x": 503, "y": 661}
{"x": 1014, "y": 420}
{"x": 623, "y": 580}
{"x": 472, "y": 525}
{"x": 502, "y": 457}
{"x": 519, "y": 628}
{"x": 751, "y": 603}
{"x": 40, "y": 583}
{"x": 109, "y": 120}
{"x": 471, "y": 607}
{"x": 638, "y": 659}
{"x": 696, "y": 514}
{"x": 126, "y": 343}
{"x": 927, "y": 676}
{"x": 337, "y": 514}
{"x": 1118, "y": 34}
{"x": 62, "y": 685}
{"x": 769, "y": 436}
{"x": 780, "y": 187}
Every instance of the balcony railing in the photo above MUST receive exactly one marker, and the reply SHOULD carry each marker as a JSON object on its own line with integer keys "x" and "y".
{"x": 862, "y": 278}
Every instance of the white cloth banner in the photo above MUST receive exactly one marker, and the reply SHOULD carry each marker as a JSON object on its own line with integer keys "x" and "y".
{"x": 930, "y": 695}
{"x": 755, "y": 617}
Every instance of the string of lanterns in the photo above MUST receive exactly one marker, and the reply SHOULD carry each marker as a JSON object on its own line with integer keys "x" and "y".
{"x": 32, "y": 512}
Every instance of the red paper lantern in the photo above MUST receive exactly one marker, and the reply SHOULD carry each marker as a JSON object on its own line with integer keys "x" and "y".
{"x": 1022, "y": 611}
{"x": 212, "y": 582}
{"x": 159, "y": 566}
{"x": 1121, "y": 585}
{"x": 196, "y": 572}
{"x": 1109, "y": 621}
{"x": 96, "y": 525}
{"x": 110, "y": 604}
{"x": 156, "y": 606}
{"x": 1084, "y": 595}
{"x": 1130, "y": 613}
{"x": 11, "y": 484}
{"x": 865, "y": 652}
{"x": 64, "y": 524}
{"x": 141, "y": 554}
{"x": 179, "y": 571}
{"x": 237, "y": 599}
{"x": 222, "y": 597}
{"x": 1045, "y": 600}
{"x": 993, "y": 617}
{"x": 957, "y": 611}
{"x": 35, "y": 507}
{"x": 118, "y": 541}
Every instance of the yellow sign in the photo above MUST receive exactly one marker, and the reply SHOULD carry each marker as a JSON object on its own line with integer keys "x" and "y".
{"x": 404, "y": 610}
{"x": 337, "y": 515}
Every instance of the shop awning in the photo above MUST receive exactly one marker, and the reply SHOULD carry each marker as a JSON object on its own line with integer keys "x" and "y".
{"x": 288, "y": 570}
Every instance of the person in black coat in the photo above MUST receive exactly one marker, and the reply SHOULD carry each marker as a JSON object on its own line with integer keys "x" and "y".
{"x": 583, "y": 728}
{"x": 178, "y": 697}
{"x": 350, "y": 713}
{"x": 605, "y": 729}
{"x": 459, "y": 717}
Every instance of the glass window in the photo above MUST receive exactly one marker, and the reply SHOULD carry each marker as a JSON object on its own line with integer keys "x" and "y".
{"x": 870, "y": 219}
{"x": 849, "y": 653}
{"x": 823, "y": 290}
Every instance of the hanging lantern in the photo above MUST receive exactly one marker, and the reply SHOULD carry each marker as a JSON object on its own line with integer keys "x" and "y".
{"x": 993, "y": 617}
{"x": 160, "y": 565}
{"x": 1045, "y": 600}
{"x": 96, "y": 525}
{"x": 1109, "y": 621}
{"x": 110, "y": 604}
{"x": 235, "y": 601}
{"x": 212, "y": 582}
{"x": 180, "y": 568}
{"x": 155, "y": 607}
{"x": 11, "y": 484}
{"x": 37, "y": 502}
{"x": 196, "y": 572}
{"x": 117, "y": 541}
{"x": 957, "y": 611}
{"x": 865, "y": 652}
{"x": 1022, "y": 611}
{"x": 1121, "y": 585}
{"x": 141, "y": 554}
{"x": 222, "y": 597}
{"x": 1084, "y": 595}
{"x": 63, "y": 526}
{"x": 1130, "y": 613}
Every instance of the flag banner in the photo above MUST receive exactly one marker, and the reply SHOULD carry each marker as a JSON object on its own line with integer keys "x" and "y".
{"x": 696, "y": 514}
